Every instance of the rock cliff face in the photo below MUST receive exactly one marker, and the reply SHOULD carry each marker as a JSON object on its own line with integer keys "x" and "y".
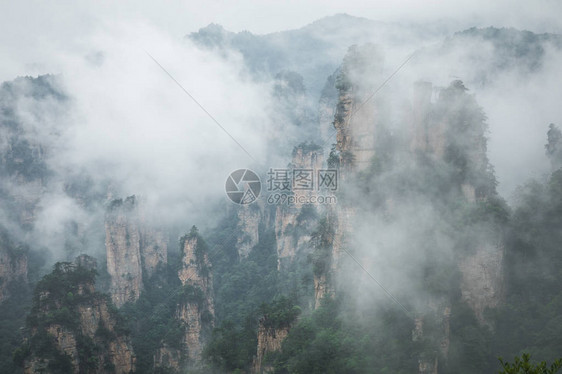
{"x": 72, "y": 327}
{"x": 449, "y": 132}
{"x": 26, "y": 197}
{"x": 294, "y": 222}
{"x": 133, "y": 249}
{"x": 426, "y": 136}
{"x": 343, "y": 126}
{"x": 327, "y": 106}
{"x": 196, "y": 310}
{"x": 341, "y": 221}
{"x": 322, "y": 288}
{"x": 168, "y": 358}
{"x": 287, "y": 243}
{"x": 428, "y": 361}
{"x": 436, "y": 129}
{"x": 13, "y": 266}
{"x": 482, "y": 279}
{"x": 153, "y": 249}
{"x": 452, "y": 130}
{"x": 269, "y": 340}
{"x": 249, "y": 218}
{"x": 428, "y": 367}
{"x": 357, "y": 121}
{"x": 358, "y": 113}
{"x": 122, "y": 244}
{"x": 23, "y": 170}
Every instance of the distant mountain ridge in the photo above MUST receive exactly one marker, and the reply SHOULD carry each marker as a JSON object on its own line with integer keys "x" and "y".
{"x": 316, "y": 50}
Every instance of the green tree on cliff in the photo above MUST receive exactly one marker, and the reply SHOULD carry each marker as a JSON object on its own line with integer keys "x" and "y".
{"x": 523, "y": 365}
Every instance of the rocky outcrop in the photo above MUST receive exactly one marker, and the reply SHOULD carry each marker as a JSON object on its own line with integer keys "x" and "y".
{"x": 24, "y": 172}
{"x": 196, "y": 308}
{"x": 336, "y": 231}
{"x": 269, "y": 341}
{"x": 426, "y": 136}
{"x": 249, "y": 219}
{"x": 153, "y": 249}
{"x": 122, "y": 244}
{"x": 293, "y": 226}
{"x": 25, "y": 199}
{"x": 482, "y": 279}
{"x": 445, "y": 342}
{"x": 190, "y": 314}
{"x": 343, "y": 230}
{"x": 196, "y": 266}
{"x": 307, "y": 161}
{"x": 358, "y": 112}
{"x": 553, "y": 147}
{"x": 72, "y": 326}
{"x": 453, "y": 130}
{"x": 321, "y": 288}
{"x": 428, "y": 366}
{"x": 285, "y": 226}
{"x": 322, "y": 256}
{"x": 448, "y": 134}
{"x": 327, "y": 106}
{"x": 13, "y": 266}
{"x": 294, "y": 222}
{"x": 436, "y": 340}
{"x": 168, "y": 359}
{"x": 133, "y": 249}
{"x": 95, "y": 318}
{"x": 344, "y": 133}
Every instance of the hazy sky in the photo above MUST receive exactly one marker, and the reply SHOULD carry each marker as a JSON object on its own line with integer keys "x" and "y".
{"x": 31, "y": 30}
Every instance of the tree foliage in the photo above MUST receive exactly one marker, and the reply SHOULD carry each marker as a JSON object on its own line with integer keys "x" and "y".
{"x": 524, "y": 365}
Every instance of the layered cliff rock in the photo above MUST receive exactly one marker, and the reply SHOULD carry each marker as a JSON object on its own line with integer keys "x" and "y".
{"x": 278, "y": 317}
{"x": 23, "y": 169}
{"x": 72, "y": 328}
{"x": 294, "y": 222}
{"x": 482, "y": 279}
{"x": 358, "y": 123}
{"x": 453, "y": 130}
{"x": 133, "y": 249}
{"x": 341, "y": 220}
{"x": 153, "y": 249}
{"x": 269, "y": 341}
{"x": 426, "y": 136}
{"x": 358, "y": 112}
{"x": 24, "y": 172}
{"x": 13, "y": 265}
{"x": 168, "y": 358}
{"x": 436, "y": 341}
{"x": 122, "y": 244}
{"x": 327, "y": 106}
{"x": 446, "y": 135}
{"x": 196, "y": 308}
{"x": 322, "y": 241}
{"x": 249, "y": 219}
